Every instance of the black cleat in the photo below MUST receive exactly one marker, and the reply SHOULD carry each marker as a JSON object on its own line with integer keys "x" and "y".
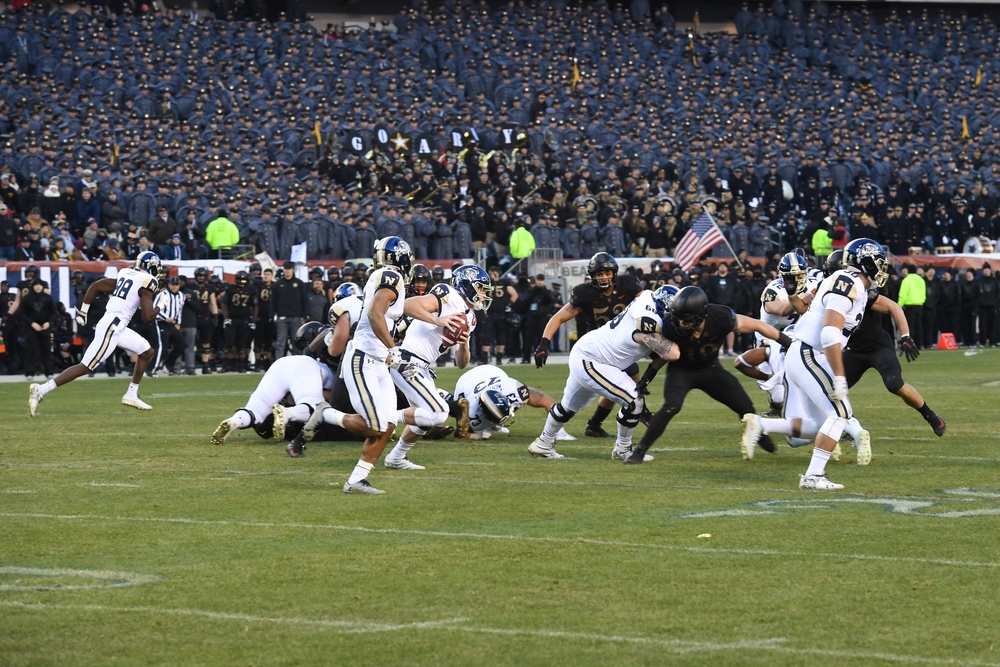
{"x": 637, "y": 456}
{"x": 936, "y": 423}
{"x": 439, "y": 432}
{"x": 596, "y": 432}
{"x": 766, "y": 443}
{"x": 296, "y": 448}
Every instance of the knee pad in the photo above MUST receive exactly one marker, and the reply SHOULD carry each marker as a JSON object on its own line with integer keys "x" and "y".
{"x": 308, "y": 407}
{"x": 416, "y": 430}
{"x": 253, "y": 420}
{"x": 561, "y": 414}
{"x": 893, "y": 382}
{"x": 629, "y": 415}
{"x": 833, "y": 427}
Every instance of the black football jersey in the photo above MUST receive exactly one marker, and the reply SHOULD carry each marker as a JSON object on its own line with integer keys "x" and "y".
{"x": 241, "y": 300}
{"x": 600, "y": 308}
{"x": 500, "y": 298}
{"x": 264, "y": 300}
{"x": 204, "y": 293}
{"x": 703, "y": 351}
{"x": 869, "y": 335}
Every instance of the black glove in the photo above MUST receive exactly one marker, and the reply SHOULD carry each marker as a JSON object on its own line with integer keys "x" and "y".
{"x": 542, "y": 352}
{"x": 642, "y": 386}
{"x": 908, "y": 347}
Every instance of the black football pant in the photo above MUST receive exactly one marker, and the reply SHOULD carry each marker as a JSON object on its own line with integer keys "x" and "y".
{"x": 714, "y": 381}
{"x": 37, "y": 351}
{"x": 883, "y": 359}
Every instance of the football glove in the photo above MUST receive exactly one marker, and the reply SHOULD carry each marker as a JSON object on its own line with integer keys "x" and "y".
{"x": 81, "y": 314}
{"x": 908, "y": 347}
{"x": 395, "y": 358}
{"x": 542, "y": 352}
{"x": 642, "y": 386}
{"x": 227, "y": 322}
{"x": 839, "y": 391}
{"x": 252, "y": 325}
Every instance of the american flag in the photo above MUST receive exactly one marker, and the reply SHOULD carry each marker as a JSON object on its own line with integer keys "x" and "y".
{"x": 702, "y": 237}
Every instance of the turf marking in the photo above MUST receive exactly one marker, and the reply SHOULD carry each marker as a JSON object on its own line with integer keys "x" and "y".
{"x": 16, "y": 491}
{"x": 102, "y": 578}
{"x": 584, "y": 541}
{"x": 122, "y": 485}
{"x": 347, "y": 626}
{"x": 186, "y": 394}
{"x": 777, "y": 644}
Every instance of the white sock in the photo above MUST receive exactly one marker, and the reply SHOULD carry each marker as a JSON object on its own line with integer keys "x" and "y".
{"x": 361, "y": 471}
{"x": 817, "y": 465}
{"x": 333, "y": 416}
{"x": 133, "y": 389}
{"x": 776, "y": 425}
{"x": 47, "y": 387}
{"x": 240, "y": 419}
{"x": 399, "y": 451}
{"x": 624, "y": 439}
{"x": 799, "y": 442}
{"x": 548, "y": 435}
{"x": 853, "y": 428}
{"x": 298, "y": 413}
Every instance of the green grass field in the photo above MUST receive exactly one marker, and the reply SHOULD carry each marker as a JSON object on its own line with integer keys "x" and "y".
{"x": 128, "y": 539}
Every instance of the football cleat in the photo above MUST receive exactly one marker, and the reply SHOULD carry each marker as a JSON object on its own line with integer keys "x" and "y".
{"x": 220, "y": 434}
{"x": 362, "y": 487}
{"x": 136, "y": 402}
{"x": 279, "y": 422}
{"x": 315, "y": 420}
{"x": 543, "y": 450}
{"x": 402, "y": 464}
{"x": 503, "y": 430}
{"x": 936, "y": 423}
{"x": 462, "y": 422}
{"x": 34, "y": 398}
{"x": 480, "y": 435}
{"x": 751, "y": 435}
{"x": 596, "y": 432}
{"x": 438, "y": 432}
{"x": 817, "y": 483}
{"x": 296, "y": 448}
{"x": 624, "y": 454}
{"x": 864, "y": 445}
{"x": 637, "y": 456}
{"x": 561, "y": 434}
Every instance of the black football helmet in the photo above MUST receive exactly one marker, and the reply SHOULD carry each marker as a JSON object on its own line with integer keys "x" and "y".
{"x": 867, "y": 256}
{"x": 420, "y": 274}
{"x": 201, "y": 275}
{"x": 317, "y": 273}
{"x": 393, "y": 251}
{"x": 77, "y": 276}
{"x": 437, "y": 275}
{"x": 600, "y": 263}
{"x": 243, "y": 278}
{"x": 333, "y": 274}
{"x": 255, "y": 269}
{"x": 307, "y": 333}
{"x": 30, "y": 272}
{"x": 689, "y": 308}
{"x": 834, "y": 262}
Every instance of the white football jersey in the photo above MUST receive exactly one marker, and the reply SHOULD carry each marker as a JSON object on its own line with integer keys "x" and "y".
{"x": 612, "y": 344}
{"x": 365, "y": 339}
{"x": 485, "y": 377}
{"x": 843, "y": 292}
{"x": 350, "y": 305}
{"x": 775, "y": 291}
{"x": 424, "y": 340}
{"x": 124, "y": 299}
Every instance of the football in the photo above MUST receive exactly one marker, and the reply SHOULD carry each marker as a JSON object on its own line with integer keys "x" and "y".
{"x": 453, "y": 336}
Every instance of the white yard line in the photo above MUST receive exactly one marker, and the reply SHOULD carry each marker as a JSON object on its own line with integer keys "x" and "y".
{"x": 583, "y": 541}
{"x": 678, "y": 646}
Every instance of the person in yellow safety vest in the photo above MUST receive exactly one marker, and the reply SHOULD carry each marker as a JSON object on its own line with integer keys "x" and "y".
{"x": 912, "y": 296}
{"x": 822, "y": 242}
{"x": 521, "y": 241}
{"x": 222, "y": 232}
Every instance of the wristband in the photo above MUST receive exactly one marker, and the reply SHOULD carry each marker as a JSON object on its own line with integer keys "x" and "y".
{"x": 543, "y": 344}
{"x": 783, "y": 340}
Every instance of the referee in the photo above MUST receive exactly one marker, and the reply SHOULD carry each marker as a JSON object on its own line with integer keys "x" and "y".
{"x": 168, "y": 324}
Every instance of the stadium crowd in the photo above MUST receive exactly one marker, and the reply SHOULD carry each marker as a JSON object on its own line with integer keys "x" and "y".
{"x": 462, "y": 128}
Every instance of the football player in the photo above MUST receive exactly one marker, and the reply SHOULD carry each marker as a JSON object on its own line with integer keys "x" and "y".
{"x": 814, "y": 362}
{"x": 595, "y": 369}
{"x": 301, "y": 376}
{"x": 699, "y": 330}
{"x": 239, "y": 312}
{"x": 492, "y": 326}
{"x": 369, "y": 357}
{"x": 263, "y": 340}
{"x": 467, "y": 296}
{"x": 788, "y": 296}
{"x": 871, "y": 347}
{"x": 132, "y": 290}
{"x": 207, "y": 310}
{"x": 486, "y": 414}
{"x": 604, "y": 297}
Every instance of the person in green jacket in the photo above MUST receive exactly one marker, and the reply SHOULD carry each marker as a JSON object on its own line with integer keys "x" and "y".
{"x": 912, "y": 296}
{"x": 822, "y": 243}
{"x": 222, "y": 232}
{"x": 521, "y": 241}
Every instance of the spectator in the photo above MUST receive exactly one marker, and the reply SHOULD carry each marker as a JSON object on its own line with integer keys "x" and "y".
{"x": 222, "y": 232}
{"x": 289, "y": 295}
